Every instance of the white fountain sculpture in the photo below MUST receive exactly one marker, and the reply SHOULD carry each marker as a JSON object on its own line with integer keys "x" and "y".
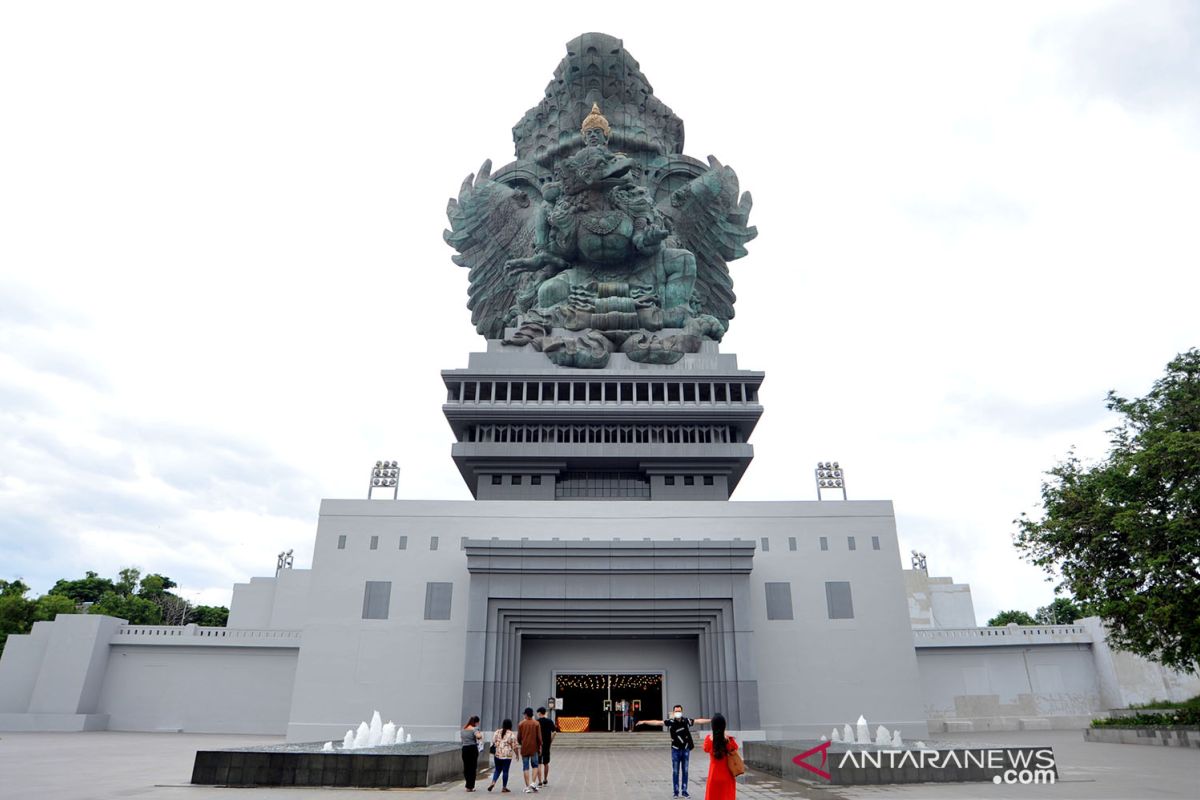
{"x": 327, "y": 747}
{"x": 408, "y": 738}
{"x": 376, "y": 734}
{"x": 920, "y": 745}
{"x": 864, "y": 732}
{"x": 362, "y": 735}
{"x": 847, "y": 734}
{"x": 375, "y": 731}
{"x": 823, "y": 739}
{"x": 882, "y": 737}
{"x": 896, "y": 740}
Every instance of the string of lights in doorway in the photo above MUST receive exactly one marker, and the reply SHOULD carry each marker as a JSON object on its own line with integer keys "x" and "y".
{"x": 597, "y": 682}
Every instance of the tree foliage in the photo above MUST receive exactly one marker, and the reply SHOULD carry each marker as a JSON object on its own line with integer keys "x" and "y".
{"x": 88, "y": 589}
{"x": 16, "y": 613}
{"x": 140, "y": 600}
{"x": 1124, "y": 534}
{"x": 1007, "y": 617}
{"x": 132, "y": 608}
{"x": 209, "y": 616}
{"x": 1062, "y": 611}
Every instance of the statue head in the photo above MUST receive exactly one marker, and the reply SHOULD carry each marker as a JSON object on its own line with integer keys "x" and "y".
{"x": 595, "y": 128}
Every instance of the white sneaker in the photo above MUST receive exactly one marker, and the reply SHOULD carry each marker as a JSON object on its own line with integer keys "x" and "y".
{"x": 528, "y": 789}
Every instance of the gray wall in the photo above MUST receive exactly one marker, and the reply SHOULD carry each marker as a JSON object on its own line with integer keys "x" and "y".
{"x": 996, "y": 687}
{"x": 198, "y": 689}
{"x": 280, "y": 602}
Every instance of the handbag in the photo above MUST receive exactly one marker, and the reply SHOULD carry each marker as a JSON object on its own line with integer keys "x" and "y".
{"x": 736, "y": 765}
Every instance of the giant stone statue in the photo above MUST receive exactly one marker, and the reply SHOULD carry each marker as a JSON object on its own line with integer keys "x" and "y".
{"x": 602, "y": 236}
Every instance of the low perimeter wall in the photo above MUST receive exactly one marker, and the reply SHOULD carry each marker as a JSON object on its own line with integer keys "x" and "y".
{"x": 1166, "y": 737}
{"x": 91, "y": 672}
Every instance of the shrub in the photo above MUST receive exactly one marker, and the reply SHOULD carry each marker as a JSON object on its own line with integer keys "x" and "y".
{"x": 1183, "y": 717}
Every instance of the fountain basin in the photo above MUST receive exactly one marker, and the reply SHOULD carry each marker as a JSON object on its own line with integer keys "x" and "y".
{"x": 306, "y": 764}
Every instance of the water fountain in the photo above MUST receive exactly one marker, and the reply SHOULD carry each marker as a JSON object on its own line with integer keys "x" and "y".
{"x": 395, "y": 760}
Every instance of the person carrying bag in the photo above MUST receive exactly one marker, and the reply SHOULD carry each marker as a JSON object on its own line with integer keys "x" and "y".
{"x": 722, "y": 768}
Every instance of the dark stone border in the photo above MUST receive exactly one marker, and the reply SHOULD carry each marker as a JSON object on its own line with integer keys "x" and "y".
{"x": 378, "y": 768}
{"x": 855, "y": 765}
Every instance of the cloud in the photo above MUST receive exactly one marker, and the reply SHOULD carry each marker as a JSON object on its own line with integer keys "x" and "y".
{"x": 972, "y": 205}
{"x": 1018, "y": 417}
{"x": 1143, "y": 55}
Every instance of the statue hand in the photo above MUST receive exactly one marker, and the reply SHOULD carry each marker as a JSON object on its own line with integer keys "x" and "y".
{"x": 654, "y": 236}
{"x": 523, "y": 264}
{"x": 535, "y": 262}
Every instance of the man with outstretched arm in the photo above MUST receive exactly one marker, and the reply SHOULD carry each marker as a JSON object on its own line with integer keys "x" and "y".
{"x": 680, "y": 728}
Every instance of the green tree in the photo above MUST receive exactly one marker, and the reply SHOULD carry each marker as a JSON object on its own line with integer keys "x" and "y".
{"x": 16, "y": 612}
{"x": 209, "y": 616}
{"x": 1005, "y": 617}
{"x": 1062, "y": 611}
{"x": 10, "y": 588}
{"x": 128, "y": 581}
{"x": 49, "y": 606}
{"x": 1124, "y": 534}
{"x": 136, "y": 610}
{"x": 155, "y": 585}
{"x": 87, "y": 589}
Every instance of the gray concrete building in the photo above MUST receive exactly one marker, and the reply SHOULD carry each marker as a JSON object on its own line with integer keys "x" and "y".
{"x": 603, "y": 561}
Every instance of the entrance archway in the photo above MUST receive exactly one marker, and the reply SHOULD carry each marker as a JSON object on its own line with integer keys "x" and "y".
{"x": 523, "y": 591}
{"x": 598, "y": 698}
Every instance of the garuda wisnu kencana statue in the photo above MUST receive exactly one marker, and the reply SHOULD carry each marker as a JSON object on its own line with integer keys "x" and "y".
{"x": 602, "y": 236}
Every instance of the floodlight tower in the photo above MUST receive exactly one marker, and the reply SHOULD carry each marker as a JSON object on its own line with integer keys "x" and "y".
{"x": 829, "y": 475}
{"x": 385, "y": 474}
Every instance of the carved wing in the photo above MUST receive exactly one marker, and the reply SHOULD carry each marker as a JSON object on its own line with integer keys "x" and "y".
{"x": 711, "y": 220}
{"x": 490, "y": 223}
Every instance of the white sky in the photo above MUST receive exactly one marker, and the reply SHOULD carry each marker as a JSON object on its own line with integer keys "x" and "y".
{"x": 224, "y": 292}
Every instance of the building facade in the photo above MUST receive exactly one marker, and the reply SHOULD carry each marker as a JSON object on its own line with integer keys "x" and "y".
{"x": 601, "y": 564}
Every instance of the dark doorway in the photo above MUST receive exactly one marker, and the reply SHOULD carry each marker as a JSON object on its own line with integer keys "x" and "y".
{"x": 585, "y": 695}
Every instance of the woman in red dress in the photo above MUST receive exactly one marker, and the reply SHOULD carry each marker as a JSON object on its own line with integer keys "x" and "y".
{"x": 721, "y": 784}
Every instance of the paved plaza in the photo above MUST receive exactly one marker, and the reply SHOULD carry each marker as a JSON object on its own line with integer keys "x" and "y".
{"x": 104, "y": 765}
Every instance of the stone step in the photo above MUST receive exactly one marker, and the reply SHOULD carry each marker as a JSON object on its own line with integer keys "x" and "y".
{"x": 647, "y": 740}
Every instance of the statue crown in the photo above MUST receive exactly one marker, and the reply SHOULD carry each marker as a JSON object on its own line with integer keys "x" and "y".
{"x": 595, "y": 120}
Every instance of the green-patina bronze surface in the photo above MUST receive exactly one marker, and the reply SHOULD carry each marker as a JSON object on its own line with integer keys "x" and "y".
{"x": 602, "y": 236}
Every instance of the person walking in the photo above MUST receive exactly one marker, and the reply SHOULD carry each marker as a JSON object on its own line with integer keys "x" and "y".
{"x": 529, "y": 732}
{"x": 504, "y": 740}
{"x": 721, "y": 784}
{"x": 471, "y": 737}
{"x": 682, "y": 745}
{"x": 549, "y": 728}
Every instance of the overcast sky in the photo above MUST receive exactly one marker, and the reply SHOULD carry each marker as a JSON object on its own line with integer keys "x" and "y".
{"x": 224, "y": 292}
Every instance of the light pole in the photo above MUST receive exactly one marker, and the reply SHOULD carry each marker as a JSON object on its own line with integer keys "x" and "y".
{"x": 830, "y": 475}
{"x": 385, "y": 474}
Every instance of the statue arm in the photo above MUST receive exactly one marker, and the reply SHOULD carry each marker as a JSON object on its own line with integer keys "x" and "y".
{"x": 647, "y": 236}
{"x": 546, "y": 254}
